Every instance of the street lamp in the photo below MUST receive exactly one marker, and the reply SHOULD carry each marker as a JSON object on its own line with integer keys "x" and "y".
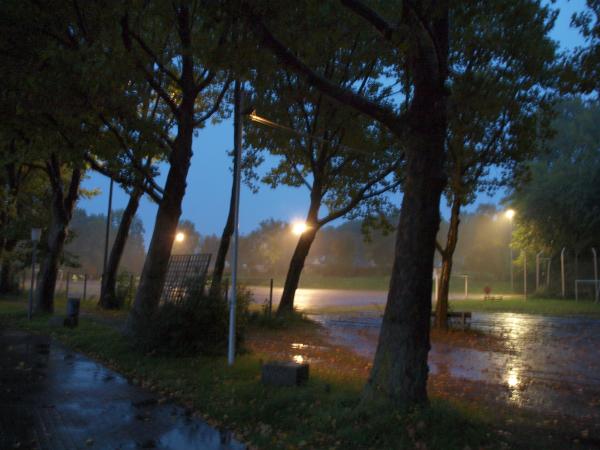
{"x": 180, "y": 237}
{"x": 510, "y": 214}
{"x": 36, "y": 234}
{"x": 299, "y": 228}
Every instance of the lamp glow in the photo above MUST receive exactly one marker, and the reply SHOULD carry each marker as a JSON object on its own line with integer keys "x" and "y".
{"x": 509, "y": 214}
{"x": 298, "y": 228}
{"x": 180, "y": 237}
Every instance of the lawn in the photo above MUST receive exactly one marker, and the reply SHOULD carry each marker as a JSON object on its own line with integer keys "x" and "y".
{"x": 375, "y": 283}
{"x": 545, "y": 306}
{"x": 326, "y": 413}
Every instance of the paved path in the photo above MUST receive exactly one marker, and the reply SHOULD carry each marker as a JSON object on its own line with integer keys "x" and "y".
{"x": 53, "y": 398}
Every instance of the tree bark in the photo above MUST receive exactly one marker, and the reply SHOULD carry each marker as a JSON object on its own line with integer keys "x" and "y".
{"x": 63, "y": 205}
{"x": 215, "y": 285}
{"x": 167, "y": 217}
{"x": 108, "y": 295}
{"x": 6, "y": 284}
{"x": 7, "y": 280}
{"x": 400, "y": 371}
{"x": 292, "y": 279}
{"x": 441, "y": 308}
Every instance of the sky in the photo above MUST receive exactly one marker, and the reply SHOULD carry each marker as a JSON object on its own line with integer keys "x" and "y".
{"x": 209, "y": 180}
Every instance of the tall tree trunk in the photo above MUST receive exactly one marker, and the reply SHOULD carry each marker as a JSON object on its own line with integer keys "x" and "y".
{"x": 441, "y": 308}
{"x": 63, "y": 205}
{"x": 108, "y": 295}
{"x": 6, "y": 278}
{"x": 167, "y": 219}
{"x": 217, "y": 277}
{"x": 400, "y": 371}
{"x": 292, "y": 279}
{"x": 46, "y": 284}
{"x": 215, "y": 285}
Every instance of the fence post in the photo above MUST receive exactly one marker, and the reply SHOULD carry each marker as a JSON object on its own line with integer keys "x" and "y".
{"x": 131, "y": 289}
{"x": 562, "y": 272}
{"x": 525, "y": 275}
{"x": 84, "y": 286}
{"x": 271, "y": 297}
{"x": 67, "y": 285}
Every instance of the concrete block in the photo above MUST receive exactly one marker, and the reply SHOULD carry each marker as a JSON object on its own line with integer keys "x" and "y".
{"x": 284, "y": 373}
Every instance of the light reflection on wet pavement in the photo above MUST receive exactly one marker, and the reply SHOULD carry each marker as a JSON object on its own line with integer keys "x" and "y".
{"x": 53, "y": 398}
{"x": 548, "y": 363}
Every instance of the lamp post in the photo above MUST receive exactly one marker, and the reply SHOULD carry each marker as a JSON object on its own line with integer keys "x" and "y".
{"x": 36, "y": 233}
{"x": 510, "y": 214}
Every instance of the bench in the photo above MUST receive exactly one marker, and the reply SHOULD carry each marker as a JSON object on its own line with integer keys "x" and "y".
{"x": 462, "y": 315}
{"x": 493, "y": 298}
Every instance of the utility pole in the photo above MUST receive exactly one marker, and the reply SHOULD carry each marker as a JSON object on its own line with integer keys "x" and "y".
{"x": 237, "y": 142}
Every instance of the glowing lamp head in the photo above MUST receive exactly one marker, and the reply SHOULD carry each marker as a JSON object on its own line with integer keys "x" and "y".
{"x": 179, "y": 237}
{"x": 298, "y": 228}
{"x": 510, "y": 213}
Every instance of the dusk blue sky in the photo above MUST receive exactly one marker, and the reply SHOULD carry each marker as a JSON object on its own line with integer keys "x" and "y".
{"x": 209, "y": 179}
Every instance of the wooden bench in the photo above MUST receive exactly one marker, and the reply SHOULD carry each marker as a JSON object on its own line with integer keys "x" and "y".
{"x": 462, "y": 315}
{"x": 493, "y": 298}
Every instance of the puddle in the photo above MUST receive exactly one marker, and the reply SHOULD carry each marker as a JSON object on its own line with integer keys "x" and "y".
{"x": 550, "y": 362}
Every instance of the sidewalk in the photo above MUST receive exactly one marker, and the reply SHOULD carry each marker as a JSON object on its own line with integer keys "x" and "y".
{"x": 53, "y": 398}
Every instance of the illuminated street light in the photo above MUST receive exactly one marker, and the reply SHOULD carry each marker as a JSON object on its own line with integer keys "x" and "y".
{"x": 510, "y": 213}
{"x": 180, "y": 237}
{"x": 298, "y": 228}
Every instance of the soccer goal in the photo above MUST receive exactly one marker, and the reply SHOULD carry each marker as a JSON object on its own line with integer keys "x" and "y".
{"x": 587, "y": 289}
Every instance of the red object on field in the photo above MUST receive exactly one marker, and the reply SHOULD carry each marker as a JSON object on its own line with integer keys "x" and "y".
{"x": 487, "y": 290}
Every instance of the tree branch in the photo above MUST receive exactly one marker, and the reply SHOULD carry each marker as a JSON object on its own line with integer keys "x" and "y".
{"x": 153, "y": 56}
{"x": 361, "y": 195}
{"x": 384, "y": 114}
{"x": 216, "y": 105}
{"x": 126, "y": 37}
{"x": 95, "y": 165}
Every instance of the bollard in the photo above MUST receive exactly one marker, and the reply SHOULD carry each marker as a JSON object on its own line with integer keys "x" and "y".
{"x": 72, "y": 319}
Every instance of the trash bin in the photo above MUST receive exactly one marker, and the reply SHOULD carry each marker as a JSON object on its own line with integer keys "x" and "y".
{"x": 72, "y": 319}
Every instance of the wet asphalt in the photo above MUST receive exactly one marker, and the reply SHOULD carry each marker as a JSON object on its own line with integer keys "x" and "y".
{"x": 54, "y": 398}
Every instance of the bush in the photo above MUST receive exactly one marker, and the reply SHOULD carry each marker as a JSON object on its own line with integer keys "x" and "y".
{"x": 124, "y": 290}
{"x": 198, "y": 324}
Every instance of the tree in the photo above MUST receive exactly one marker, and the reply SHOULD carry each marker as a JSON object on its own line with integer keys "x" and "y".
{"x": 228, "y": 229}
{"x": 55, "y": 132}
{"x": 23, "y": 196}
{"x": 87, "y": 230}
{"x": 557, "y": 198}
{"x": 413, "y": 39}
{"x": 502, "y": 91}
{"x": 586, "y": 59}
{"x": 344, "y": 162}
{"x": 177, "y": 48}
